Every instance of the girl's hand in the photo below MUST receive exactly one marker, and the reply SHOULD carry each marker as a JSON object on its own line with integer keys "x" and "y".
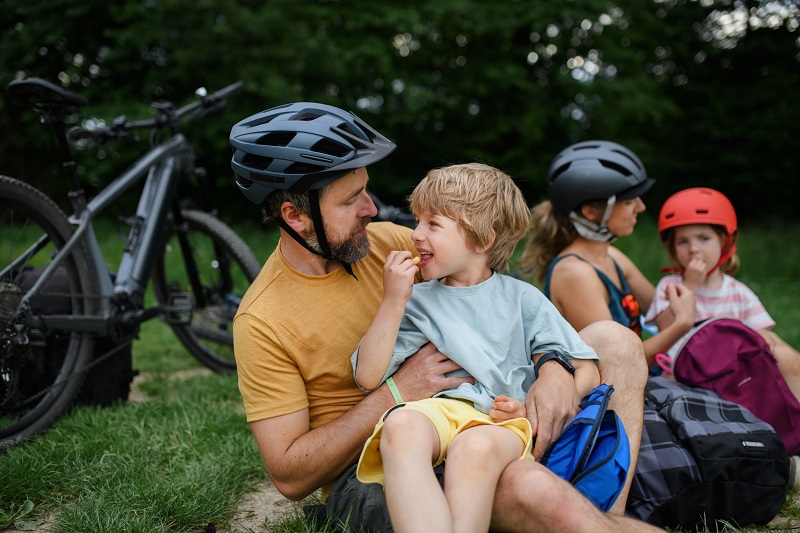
{"x": 505, "y": 408}
{"x": 398, "y": 276}
{"x": 695, "y": 274}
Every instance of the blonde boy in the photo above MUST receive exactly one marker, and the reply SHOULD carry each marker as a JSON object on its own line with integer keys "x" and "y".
{"x": 470, "y": 218}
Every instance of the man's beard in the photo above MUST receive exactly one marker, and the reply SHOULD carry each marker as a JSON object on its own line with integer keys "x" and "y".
{"x": 351, "y": 250}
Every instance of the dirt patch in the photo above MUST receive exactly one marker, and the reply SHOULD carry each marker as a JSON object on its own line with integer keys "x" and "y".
{"x": 258, "y": 510}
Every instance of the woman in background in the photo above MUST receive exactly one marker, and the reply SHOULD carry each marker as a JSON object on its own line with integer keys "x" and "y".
{"x": 595, "y": 190}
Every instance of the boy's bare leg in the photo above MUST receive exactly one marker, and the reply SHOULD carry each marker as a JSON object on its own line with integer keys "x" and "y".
{"x": 409, "y": 445}
{"x": 475, "y": 460}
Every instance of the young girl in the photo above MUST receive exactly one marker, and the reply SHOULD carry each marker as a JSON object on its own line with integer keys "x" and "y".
{"x": 698, "y": 227}
{"x": 470, "y": 217}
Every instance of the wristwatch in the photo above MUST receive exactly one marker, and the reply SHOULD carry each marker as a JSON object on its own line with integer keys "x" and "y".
{"x": 557, "y": 357}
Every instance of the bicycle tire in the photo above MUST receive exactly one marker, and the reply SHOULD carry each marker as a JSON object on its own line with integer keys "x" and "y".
{"x": 41, "y": 371}
{"x": 220, "y": 254}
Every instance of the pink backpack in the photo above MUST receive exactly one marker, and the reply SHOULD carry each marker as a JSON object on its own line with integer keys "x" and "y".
{"x": 732, "y": 359}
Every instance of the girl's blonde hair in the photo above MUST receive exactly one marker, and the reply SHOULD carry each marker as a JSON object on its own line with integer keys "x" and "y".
{"x": 729, "y": 267}
{"x": 484, "y": 201}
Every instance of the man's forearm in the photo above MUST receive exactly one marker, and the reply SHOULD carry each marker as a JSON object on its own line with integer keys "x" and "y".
{"x": 320, "y": 455}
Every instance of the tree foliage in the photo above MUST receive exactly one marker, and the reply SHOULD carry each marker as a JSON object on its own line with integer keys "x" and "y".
{"x": 702, "y": 90}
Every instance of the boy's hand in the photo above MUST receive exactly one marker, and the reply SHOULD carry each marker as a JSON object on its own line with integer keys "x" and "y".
{"x": 398, "y": 276}
{"x": 505, "y": 408}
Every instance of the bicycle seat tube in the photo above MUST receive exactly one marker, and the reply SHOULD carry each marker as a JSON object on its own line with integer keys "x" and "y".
{"x": 163, "y": 165}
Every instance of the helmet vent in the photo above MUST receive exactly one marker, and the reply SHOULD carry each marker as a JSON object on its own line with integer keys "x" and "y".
{"x": 629, "y": 158}
{"x": 349, "y": 129}
{"x": 280, "y": 138}
{"x": 256, "y": 161}
{"x": 303, "y": 168}
{"x": 587, "y": 146}
{"x": 614, "y": 166}
{"x": 306, "y": 117}
{"x": 326, "y": 146}
{"x": 560, "y": 170}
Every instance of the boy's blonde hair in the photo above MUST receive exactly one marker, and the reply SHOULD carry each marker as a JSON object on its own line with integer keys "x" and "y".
{"x": 484, "y": 201}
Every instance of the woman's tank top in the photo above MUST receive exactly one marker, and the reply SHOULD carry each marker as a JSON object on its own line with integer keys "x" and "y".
{"x": 622, "y": 303}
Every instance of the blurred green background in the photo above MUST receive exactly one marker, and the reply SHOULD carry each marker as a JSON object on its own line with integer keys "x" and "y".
{"x": 703, "y": 90}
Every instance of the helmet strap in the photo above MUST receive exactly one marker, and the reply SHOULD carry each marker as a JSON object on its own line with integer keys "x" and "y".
{"x": 729, "y": 248}
{"x": 316, "y": 217}
{"x": 591, "y": 230}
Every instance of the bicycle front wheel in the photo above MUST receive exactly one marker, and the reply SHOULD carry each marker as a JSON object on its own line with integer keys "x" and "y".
{"x": 225, "y": 267}
{"x": 41, "y": 370}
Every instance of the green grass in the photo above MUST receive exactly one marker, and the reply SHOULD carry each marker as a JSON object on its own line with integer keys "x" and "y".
{"x": 185, "y": 457}
{"x": 176, "y": 462}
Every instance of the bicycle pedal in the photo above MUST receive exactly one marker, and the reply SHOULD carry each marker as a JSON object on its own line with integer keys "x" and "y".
{"x": 178, "y": 310}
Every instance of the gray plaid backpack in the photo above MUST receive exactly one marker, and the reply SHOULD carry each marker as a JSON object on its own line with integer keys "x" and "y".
{"x": 704, "y": 459}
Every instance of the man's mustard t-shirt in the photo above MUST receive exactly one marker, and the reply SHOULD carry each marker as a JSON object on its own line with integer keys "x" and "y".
{"x": 294, "y": 334}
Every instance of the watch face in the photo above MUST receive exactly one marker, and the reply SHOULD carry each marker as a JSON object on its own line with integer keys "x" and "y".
{"x": 565, "y": 363}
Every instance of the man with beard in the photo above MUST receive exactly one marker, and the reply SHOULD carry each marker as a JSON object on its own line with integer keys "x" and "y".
{"x": 313, "y": 301}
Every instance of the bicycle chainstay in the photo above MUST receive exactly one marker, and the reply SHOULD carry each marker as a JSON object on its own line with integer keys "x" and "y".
{"x": 13, "y": 343}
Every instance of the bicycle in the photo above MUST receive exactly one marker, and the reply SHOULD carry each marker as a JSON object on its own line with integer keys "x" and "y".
{"x": 199, "y": 268}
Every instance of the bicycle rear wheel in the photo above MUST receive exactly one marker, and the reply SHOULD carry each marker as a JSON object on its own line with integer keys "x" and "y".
{"x": 225, "y": 266}
{"x": 40, "y": 369}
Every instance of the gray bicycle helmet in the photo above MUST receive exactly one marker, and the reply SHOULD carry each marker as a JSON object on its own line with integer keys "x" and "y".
{"x": 595, "y": 170}
{"x": 301, "y": 147}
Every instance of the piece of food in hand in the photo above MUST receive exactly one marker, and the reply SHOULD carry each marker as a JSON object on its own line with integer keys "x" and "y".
{"x": 416, "y": 260}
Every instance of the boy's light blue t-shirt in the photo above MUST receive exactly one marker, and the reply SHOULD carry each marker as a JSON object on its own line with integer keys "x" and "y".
{"x": 490, "y": 330}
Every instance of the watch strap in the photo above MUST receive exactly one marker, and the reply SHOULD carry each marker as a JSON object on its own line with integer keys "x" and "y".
{"x": 554, "y": 356}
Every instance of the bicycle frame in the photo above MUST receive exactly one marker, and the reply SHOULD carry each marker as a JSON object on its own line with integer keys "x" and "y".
{"x": 163, "y": 164}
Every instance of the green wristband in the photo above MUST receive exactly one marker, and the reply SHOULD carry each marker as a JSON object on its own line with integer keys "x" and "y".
{"x": 393, "y": 388}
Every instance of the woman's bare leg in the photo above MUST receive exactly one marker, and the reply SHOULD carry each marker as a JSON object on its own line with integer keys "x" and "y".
{"x": 788, "y": 360}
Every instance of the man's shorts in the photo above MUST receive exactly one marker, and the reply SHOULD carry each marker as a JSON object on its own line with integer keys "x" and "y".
{"x": 355, "y": 506}
{"x": 450, "y": 417}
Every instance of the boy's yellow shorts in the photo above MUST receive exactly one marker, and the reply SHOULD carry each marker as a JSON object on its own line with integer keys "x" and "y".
{"x": 449, "y": 417}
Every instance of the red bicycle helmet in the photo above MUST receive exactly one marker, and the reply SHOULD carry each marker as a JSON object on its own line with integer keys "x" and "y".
{"x": 700, "y": 205}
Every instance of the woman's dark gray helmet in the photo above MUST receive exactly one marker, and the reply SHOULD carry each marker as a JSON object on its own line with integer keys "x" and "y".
{"x": 595, "y": 170}
{"x": 300, "y": 147}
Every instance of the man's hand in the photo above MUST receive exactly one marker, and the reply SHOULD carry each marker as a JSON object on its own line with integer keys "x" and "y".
{"x": 423, "y": 374}
{"x": 506, "y": 408}
{"x": 552, "y": 402}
